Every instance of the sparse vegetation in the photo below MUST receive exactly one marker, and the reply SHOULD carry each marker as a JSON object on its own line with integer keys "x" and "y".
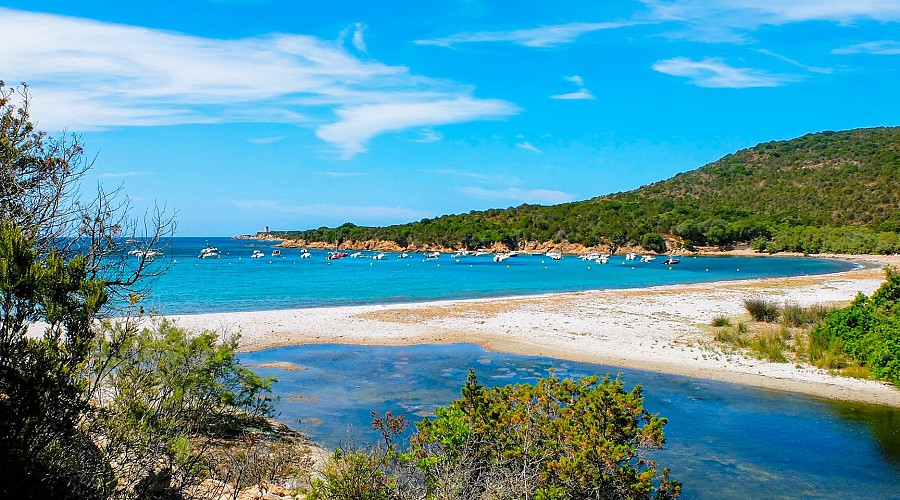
{"x": 762, "y": 310}
{"x": 720, "y": 321}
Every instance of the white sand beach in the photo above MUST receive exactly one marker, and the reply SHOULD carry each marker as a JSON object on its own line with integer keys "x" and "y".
{"x": 663, "y": 329}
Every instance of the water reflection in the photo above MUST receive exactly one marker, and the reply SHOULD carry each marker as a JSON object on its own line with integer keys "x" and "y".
{"x": 723, "y": 440}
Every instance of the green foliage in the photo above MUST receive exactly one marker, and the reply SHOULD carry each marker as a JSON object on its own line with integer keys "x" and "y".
{"x": 831, "y": 192}
{"x": 720, "y": 321}
{"x": 762, "y": 310}
{"x": 559, "y": 438}
{"x": 43, "y": 452}
{"x": 166, "y": 394}
{"x": 867, "y": 332}
{"x": 796, "y": 316}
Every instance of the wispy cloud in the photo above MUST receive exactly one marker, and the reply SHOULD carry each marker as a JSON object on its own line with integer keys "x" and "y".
{"x": 357, "y": 124}
{"x": 543, "y": 36}
{"x": 758, "y": 12}
{"x": 544, "y": 196}
{"x": 879, "y": 47}
{"x": 89, "y": 75}
{"x": 811, "y": 69}
{"x": 267, "y": 140}
{"x": 729, "y": 20}
{"x": 581, "y": 93}
{"x": 358, "y": 38}
{"x": 370, "y": 213}
{"x": 528, "y": 147}
{"x": 716, "y": 74}
{"x": 453, "y": 172}
{"x": 428, "y": 134}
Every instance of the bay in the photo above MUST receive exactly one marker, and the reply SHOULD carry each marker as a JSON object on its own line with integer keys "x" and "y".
{"x": 236, "y": 282}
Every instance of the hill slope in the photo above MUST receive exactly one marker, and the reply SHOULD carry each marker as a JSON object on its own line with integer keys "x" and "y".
{"x": 823, "y": 192}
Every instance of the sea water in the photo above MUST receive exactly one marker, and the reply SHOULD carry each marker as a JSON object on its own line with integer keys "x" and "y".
{"x": 722, "y": 440}
{"x": 236, "y": 282}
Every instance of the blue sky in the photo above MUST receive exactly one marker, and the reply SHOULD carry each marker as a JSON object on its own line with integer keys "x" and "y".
{"x": 298, "y": 114}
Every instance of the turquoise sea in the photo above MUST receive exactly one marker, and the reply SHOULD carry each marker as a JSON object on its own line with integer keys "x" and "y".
{"x": 723, "y": 440}
{"x": 235, "y": 282}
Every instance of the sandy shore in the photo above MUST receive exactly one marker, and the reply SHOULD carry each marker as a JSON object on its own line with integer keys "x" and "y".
{"x": 663, "y": 329}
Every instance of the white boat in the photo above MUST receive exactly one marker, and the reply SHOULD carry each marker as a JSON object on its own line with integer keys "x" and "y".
{"x": 146, "y": 254}
{"x": 403, "y": 255}
{"x": 305, "y": 254}
{"x": 648, "y": 258}
{"x": 500, "y": 257}
{"x": 432, "y": 255}
{"x": 671, "y": 260}
{"x": 378, "y": 256}
{"x": 602, "y": 259}
{"x": 210, "y": 252}
{"x": 631, "y": 256}
{"x": 257, "y": 255}
{"x": 460, "y": 253}
{"x": 590, "y": 256}
{"x": 481, "y": 252}
{"x": 554, "y": 254}
{"x": 276, "y": 253}
{"x": 356, "y": 255}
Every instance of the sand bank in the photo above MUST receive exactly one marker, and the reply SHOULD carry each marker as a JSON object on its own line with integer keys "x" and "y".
{"x": 663, "y": 329}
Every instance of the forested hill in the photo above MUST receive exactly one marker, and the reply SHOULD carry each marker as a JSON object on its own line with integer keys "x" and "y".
{"x": 823, "y": 192}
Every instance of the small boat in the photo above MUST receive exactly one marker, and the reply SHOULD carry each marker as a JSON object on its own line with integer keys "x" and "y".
{"x": 554, "y": 254}
{"x": 432, "y": 255}
{"x": 305, "y": 254}
{"x": 378, "y": 256}
{"x": 356, "y": 255}
{"x": 500, "y": 257}
{"x": 335, "y": 255}
{"x": 602, "y": 258}
{"x": 276, "y": 253}
{"x": 460, "y": 253}
{"x": 210, "y": 252}
{"x": 257, "y": 255}
{"x": 671, "y": 260}
{"x": 146, "y": 254}
{"x": 648, "y": 258}
{"x": 590, "y": 256}
{"x": 403, "y": 255}
{"x": 481, "y": 252}
{"x": 631, "y": 256}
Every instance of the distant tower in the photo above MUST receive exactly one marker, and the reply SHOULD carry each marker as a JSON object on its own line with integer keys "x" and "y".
{"x": 267, "y": 229}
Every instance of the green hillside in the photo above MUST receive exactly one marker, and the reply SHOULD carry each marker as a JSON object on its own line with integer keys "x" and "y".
{"x": 823, "y": 192}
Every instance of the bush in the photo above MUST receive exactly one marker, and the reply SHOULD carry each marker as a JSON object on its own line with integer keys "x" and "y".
{"x": 797, "y": 316}
{"x": 720, "y": 321}
{"x": 762, "y": 310}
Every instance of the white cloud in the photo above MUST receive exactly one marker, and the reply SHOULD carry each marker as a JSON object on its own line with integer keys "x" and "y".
{"x": 716, "y": 74}
{"x": 528, "y": 147}
{"x": 543, "y": 196}
{"x": 450, "y": 171}
{"x": 266, "y": 140}
{"x": 428, "y": 134}
{"x": 758, "y": 12}
{"x": 365, "y": 214}
{"x": 358, "y": 38}
{"x": 811, "y": 69}
{"x": 581, "y": 94}
{"x": 88, "y": 75}
{"x": 879, "y": 47}
{"x": 544, "y": 36}
{"x": 357, "y": 124}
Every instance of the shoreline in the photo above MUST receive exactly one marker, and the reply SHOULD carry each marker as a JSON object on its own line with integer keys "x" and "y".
{"x": 661, "y": 329}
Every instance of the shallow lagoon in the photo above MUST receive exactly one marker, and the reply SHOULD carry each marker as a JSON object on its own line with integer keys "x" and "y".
{"x": 723, "y": 440}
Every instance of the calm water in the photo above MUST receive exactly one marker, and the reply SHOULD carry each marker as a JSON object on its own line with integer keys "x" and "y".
{"x": 238, "y": 283}
{"x": 723, "y": 440}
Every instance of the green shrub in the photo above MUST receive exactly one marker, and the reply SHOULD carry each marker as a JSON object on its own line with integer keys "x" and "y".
{"x": 720, "y": 321}
{"x": 796, "y": 315}
{"x": 762, "y": 310}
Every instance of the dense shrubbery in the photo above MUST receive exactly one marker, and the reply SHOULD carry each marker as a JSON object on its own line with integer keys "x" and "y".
{"x": 867, "y": 332}
{"x": 557, "y": 439}
{"x": 820, "y": 193}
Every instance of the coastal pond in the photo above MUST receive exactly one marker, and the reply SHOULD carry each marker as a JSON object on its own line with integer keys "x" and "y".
{"x": 723, "y": 440}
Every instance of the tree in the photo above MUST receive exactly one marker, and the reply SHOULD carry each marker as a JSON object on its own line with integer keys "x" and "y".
{"x": 61, "y": 260}
{"x": 558, "y": 438}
